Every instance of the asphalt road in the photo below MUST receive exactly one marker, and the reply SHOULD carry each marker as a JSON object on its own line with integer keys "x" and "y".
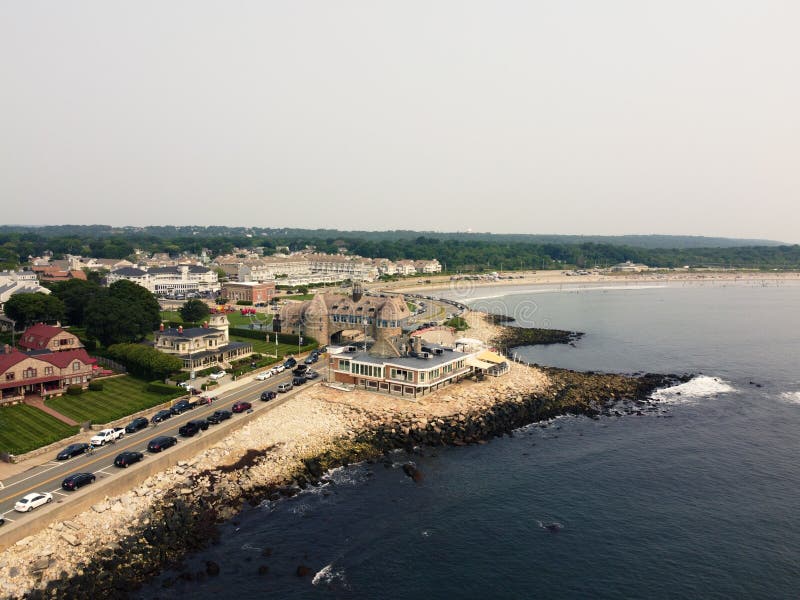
{"x": 47, "y": 476}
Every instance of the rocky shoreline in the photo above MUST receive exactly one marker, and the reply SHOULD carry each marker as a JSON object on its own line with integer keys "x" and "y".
{"x": 511, "y": 336}
{"x": 156, "y": 525}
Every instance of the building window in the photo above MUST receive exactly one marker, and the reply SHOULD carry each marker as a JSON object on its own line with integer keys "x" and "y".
{"x": 9, "y": 376}
{"x": 29, "y": 373}
{"x": 48, "y": 370}
{"x": 76, "y": 366}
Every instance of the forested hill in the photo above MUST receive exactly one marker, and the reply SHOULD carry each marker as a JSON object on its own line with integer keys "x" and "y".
{"x": 468, "y": 253}
{"x": 636, "y": 241}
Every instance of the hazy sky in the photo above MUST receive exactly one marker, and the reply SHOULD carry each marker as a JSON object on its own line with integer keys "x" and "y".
{"x": 562, "y": 116}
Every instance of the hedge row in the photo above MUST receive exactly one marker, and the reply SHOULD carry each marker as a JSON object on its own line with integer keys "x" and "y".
{"x": 283, "y": 338}
{"x": 160, "y": 388}
{"x": 145, "y": 361}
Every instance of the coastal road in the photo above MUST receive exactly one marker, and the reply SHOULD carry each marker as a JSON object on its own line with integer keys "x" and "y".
{"x": 47, "y": 477}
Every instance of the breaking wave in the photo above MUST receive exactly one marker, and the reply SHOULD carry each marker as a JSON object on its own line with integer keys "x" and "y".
{"x": 791, "y": 397}
{"x": 702, "y": 386}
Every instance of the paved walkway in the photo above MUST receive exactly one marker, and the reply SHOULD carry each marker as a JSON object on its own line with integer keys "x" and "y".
{"x": 39, "y": 403}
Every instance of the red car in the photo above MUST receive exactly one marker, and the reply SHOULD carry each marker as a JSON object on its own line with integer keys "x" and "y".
{"x": 241, "y": 407}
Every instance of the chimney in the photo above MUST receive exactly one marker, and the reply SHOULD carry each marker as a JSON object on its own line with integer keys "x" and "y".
{"x": 417, "y": 344}
{"x": 180, "y": 328}
{"x": 161, "y": 327}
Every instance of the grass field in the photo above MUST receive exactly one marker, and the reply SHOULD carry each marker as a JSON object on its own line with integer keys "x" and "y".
{"x": 236, "y": 319}
{"x": 24, "y": 428}
{"x": 121, "y": 396}
{"x": 268, "y": 348}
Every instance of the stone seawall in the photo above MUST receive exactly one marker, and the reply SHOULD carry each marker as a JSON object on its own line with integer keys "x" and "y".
{"x": 188, "y": 502}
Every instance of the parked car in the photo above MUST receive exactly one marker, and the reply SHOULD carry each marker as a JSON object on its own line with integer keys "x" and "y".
{"x": 311, "y": 374}
{"x": 284, "y": 387}
{"x": 126, "y": 459}
{"x": 217, "y": 376}
{"x": 137, "y": 424}
{"x": 161, "y": 442}
{"x": 280, "y": 369}
{"x": 270, "y": 395}
{"x": 2, "y": 521}
{"x": 298, "y": 380}
{"x": 72, "y": 450}
{"x": 76, "y": 480}
{"x": 181, "y": 406}
{"x": 33, "y": 500}
{"x": 300, "y": 369}
{"x": 240, "y": 407}
{"x": 218, "y": 416}
{"x": 192, "y": 427}
{"x": 107, "y": 436}
{"x": 311, "y": 359}
{"x": 185, "y": 384}
{"x": 289, "y": 363}
{"x": 161, "y": 415}
{"x": 264, "y": 375}
{"x": 205, "y": 400}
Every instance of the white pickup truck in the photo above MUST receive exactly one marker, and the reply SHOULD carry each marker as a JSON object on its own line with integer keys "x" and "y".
{"x": 107, "y": 436}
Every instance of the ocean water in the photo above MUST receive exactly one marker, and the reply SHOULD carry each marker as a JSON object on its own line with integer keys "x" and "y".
{"x": 696, "y": 500}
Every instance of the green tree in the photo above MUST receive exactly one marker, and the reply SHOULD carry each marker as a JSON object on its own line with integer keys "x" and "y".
{"x": 194, "y": 311}
{"x": 76, "y": 295}
{"x": 27, "y": 309}
{"x": 125, "y": 312}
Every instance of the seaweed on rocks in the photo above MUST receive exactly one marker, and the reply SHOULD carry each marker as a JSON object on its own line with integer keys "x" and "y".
{"x": 512, "y": 337}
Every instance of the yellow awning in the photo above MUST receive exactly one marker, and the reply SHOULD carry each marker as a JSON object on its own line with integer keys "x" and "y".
{"x": 478, "y": 364}
{"x": 489, "y": 356}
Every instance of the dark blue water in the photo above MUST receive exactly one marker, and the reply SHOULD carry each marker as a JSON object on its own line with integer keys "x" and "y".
{"x": 697, "y": 500}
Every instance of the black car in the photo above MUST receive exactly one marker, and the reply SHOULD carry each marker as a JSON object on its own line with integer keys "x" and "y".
{"x": 72, "y": 450}
{"x": 76, "y": 480}
{"x": 300, "y": 369}
{"x": 2, "y": 521}
{"x": 290, "y": 362}
{"x": 311, "y": 374}
{"x": 137, "y": 424}
{"x": 192, "y": 427}
{"x": 270, "y": 395}
{"x": 298, "y": 380}
{"x": 218, "y": 416}
{"x": 162, "y": 442}
{"x": 311, "y": 359}
{"x": 181, "y": 407}
{"x": 126, "y": 459}
{"x": 161, "y": 416}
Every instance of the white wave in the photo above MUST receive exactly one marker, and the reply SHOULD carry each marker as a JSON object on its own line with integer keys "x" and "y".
{"x": 350, "y": 475}
{"x": 702, "y": 386}
{"x": 328, "y": 575}
{"x": 791, "y": 397}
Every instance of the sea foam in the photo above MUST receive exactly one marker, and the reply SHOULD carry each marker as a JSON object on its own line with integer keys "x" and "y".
{"x": 791, "y": 397}
{"x": 329, "y": 576}
{"x": 699, "y": 387}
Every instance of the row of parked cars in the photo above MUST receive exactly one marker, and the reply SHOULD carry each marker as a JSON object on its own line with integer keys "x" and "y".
{"x": 301, "y": 373}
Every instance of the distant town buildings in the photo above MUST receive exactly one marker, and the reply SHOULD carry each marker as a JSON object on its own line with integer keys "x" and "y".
{"x": 19, "y": 282}
{"x": 248, "y": 291}
{"x": 629, "y": 267}
{"x": 177, "y": 280}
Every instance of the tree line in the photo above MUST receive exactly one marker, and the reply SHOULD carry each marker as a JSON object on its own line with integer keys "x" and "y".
{"x": 456, "y": 253}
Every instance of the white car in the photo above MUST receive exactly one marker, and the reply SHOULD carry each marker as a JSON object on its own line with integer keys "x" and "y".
{"x": 218, "y": 375}
{"x": 31, "y": 501}
{"x": 280, "y": 369}
{"x": 264, "y": 375}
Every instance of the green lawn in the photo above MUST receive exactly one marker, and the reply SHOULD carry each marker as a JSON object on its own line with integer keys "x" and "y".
{"x": 121, "y": 396}
{"x": 297, "y": 297}
{"x": 24, "y": 428}
{"x": 268, "y": 348}
{"x": 236, "y": 319}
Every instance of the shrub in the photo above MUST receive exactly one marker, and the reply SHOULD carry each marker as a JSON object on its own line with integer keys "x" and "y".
{"x": 96, "y": 386}
{"x": 244, "y": 303}
{"x": 179, "y": 377}
{"x": 90, "y": 345}
{"x": 457, "y": 323}
{"x": 160, "y": 388}
{"x": 145, "y": 361}
{"x": 74, "y": 390}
